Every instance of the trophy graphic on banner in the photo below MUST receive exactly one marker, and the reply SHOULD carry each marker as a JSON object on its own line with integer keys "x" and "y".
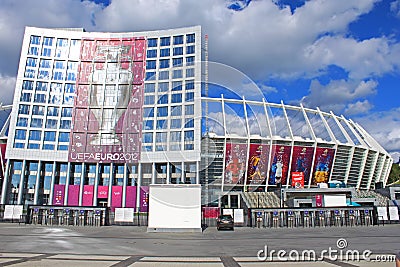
{"x": 109, "y": 93}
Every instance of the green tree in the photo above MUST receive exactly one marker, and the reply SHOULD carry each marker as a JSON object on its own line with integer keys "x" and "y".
{"x": 394, "y": 174}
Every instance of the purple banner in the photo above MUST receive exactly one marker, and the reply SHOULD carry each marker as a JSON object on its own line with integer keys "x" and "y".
{"x": 102, "y": 191}
{"x": 107, "y": 121}
{"x": 58, "y": 194}
{"x": 87, "y": 198}
{"x": 258, "y": 164}
{"x": 279, "y": 165}
{"x": 130, "y": 201}
{"x": 322, "y": 165}
{"x": 235, "y": 163}
{"x": 73, "y": 195}
{"x": 144, "y": 198}
{"x": 116, "y": 200}
{"x": 301, "y": 161}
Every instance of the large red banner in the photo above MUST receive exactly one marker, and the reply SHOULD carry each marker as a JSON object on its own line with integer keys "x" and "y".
{"x": 235, "y": 163}
{"x": 102, "y": 191}
{"x": 302, "y": 161}
{"x": 73, "y": 195}
{"x": 258, "y": 164}
{"x": 322, "y": 164}
{"x": 279, "y": 165}
{"x": 107, "y": 116}
{"x": 130, "y": 200}
{"x": 116, "y": 199}
{"x": 87, "y": 198}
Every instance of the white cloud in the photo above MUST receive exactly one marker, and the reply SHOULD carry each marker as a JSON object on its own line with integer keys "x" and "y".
{"x": 339, "y": 95}
{"x": 359, "y": 107}
{"x": 7, "y": 86}
{"x": 395, "y": 8}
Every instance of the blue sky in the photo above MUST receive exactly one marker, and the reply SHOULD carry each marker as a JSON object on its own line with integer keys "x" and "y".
{"x": 340, "y": 56}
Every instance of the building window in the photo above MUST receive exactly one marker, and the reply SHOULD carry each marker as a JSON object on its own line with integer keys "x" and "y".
{"x": 165, "y": 41}
{"x": 62, "y": 147}
{"x": 27, "y": 85}
{"x": 178, "y": 39}
{"x": 62, "y": 48}
{"x": 151, "y": 53}
{"x": 176, "y": 123}
{"x": 20, "y": 134}
{"x": 19, "y": 145}
{"x": 33, "y": 51}
{"x": 46, "y": 52}
{"x": 48, "y": 41}
{"x": 190, "y": 49}
{"x": 164, "y": 63}
{"x": 63, "y": 137}
{"x": 175, "y": 136}
{"x": 177, "y": 86}
{"x": 177, "y": 74}
{"x": 70, "y": 88}
{"x": 162, "y": 124}
{"x": 161, "y": 137}
{"x": 163, "y": 99}
{"x": 147, "y": 137}
{"x": 149, "y": 100}
{"x": 148, "y": 124}
{"x": 177, "y": 62}
{"x": 162, "y": 111}
{"x": 190, "y": 73}
{"x": 50, "y": 136}
{"x": 26, "y": 97}
{"x": 190, "y": 38}
{"x": 40, "y": 98}
{"x": 176, "y": 111}
{"x": 189, "y": 123}
{"x": 31, "y": 62}
{"x": 65, "y": 124}
{"x": 149, "y": 87}
{"x": 176, "y": 98}
{"x": 163, "y": 87}
{"x": 148, "y": 112}
{"x": 178, "y": 51}
{"x": 38, "y": 110}
{"x": 150, "y": 75}
{"x": 189, "y": 135}
{"x": 68, "y": 99}
{"x": 189, "y": 61}
{"x": 41, "y": 86}
{"x": 151, "y": 64}
{"x": 189, "y": 97}
{"x": 52, "y": 111}
{"x": 48, "y": 147}
{"x": 36, "y": 123}
{"x": 35, "y": 40}
{"x": 189, "y": 85}
{"x": 164, "y": 52}
{"x": 189, "y": 110}
{"x": 163, "y": 75}
{"x": 51, "y": 124}
{"x": 22, "y": 122}
{"x": 24, "y": 109}
{"x": 33, "y": 146}
{"x": 66, "y": 112}
{"x": 35, "y": 135}
{"x": 152, "y": 42}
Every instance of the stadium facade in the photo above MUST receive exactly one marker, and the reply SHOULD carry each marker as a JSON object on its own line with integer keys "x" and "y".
{"x": 98, "y": 117}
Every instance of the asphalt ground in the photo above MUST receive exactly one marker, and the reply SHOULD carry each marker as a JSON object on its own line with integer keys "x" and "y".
{"x": 30, "y": 245}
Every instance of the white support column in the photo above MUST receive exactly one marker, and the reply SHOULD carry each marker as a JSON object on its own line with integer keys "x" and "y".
{"x": 81, "y": 184}
{"x": 21, "y": 183}
{"x": 247, "y": 144}
{"x": 139, "y": 184}
{"x": 124, "y": 183}
{"x": 270, "y": 146}
{"x": 53, "y": 178}
{"x": 168, "y": 173}
{"x": 36, "y": 195}
{"x": 67, "y": 181}
{"x": 110, "y": 184}
{"x": 96, "y": 184}
{"x": 6, "y": 181}
{"x": 197, "y": 172}
{"x": 224, "y": 125}
{"x": 291, "y": 149}
{"x": 183, "y": 174}
{"x": 153, "y": 173}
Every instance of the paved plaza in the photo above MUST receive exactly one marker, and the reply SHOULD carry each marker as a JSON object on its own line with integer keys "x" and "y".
{"x": 28, "y": 245}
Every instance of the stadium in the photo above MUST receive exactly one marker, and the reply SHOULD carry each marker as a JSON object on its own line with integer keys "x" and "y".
{"x": 99, "y": 117}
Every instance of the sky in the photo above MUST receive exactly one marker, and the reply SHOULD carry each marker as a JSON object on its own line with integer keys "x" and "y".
{"x": 341, "y": 56}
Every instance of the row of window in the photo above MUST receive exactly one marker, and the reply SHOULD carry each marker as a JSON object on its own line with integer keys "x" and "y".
{"x": 36, "y": 135}
{"x": 148, "y": 112}
{"x": 44, "y": 86}
{"x": 166, "y": 98}
{"x": 41, "y": 98}
{"x": 63, "y": 48}
{"x": 164, "y": 147}
{"x": 176, "y": 40}
{"x": 166, "y": 52}
{"x": 48, "y": 123}
{"x": 161, "y": 124}
{"x": 165, "y": 75}
{"x": 163, "y": 87}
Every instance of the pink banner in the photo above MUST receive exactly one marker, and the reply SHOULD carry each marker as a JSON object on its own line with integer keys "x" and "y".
{"x": 144, "y": 198}
{"x": 258, "y": 164}
{"x": 87, "y": 198}
{"x": 211, "y": 212}
{"x": 235, "y": 163}
{"x": 116, "y": 199}
{"x": 102, "y": 191}
{"x": 322, "y": 164}
{"x": 301, "y": 161}
{"x": 130, "y": 201}
{"x": 58, "y": 194}
{"x": 112, "y": 124}
{"x": 73, "y": 195}
{"x": 279, "y": 165}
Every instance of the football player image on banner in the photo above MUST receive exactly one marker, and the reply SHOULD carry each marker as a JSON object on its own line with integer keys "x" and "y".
{"x": 235, "y": 163}
{"x": 108, "y": 104}
{"x": 322, "y": 165}
{"x": 301, "y": 161}
{"x": 279, "y": 165}
{"x": 258, "y": 165}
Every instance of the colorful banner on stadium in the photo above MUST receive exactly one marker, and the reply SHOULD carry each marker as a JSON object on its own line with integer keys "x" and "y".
{"x": 258, "y": 164}
{"x": 298, "y": 179}
{"x": 107, "y": 115}
{"x": 73, "y": 195}
{"x": 235, "y": 163}
{"x": 322, "y": 165}
{"x": 58, "y": 194}
{"x": 102, "y": 191}
{"x": 116, "y": 199}
{"x": 87, "y": 198}
{"x": 302, "y": 161}
{"x": 130, "y": 200}
{"x": 279, "y": 165}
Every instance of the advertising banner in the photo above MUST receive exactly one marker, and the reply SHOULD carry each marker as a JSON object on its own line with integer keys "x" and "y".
{"x": 258, "y": 164}
{"x": 210, "y": 212}
{"x": 102, "y": 191}
{"x": 298, "y": 179}
{"x": 301, "y": 161}
{"x": 319, "y": 201}
{"x": 235, "y": 163}
{"x": 58, "y": 194}
{"x": 144, "y": 198}
{"x": 322, "y": 164}
{"x": 73, "y": 195}
{"x": 116, "y": 198}
{"x": 87, "y": 198}
{"x": 279, "y": 165}
{"x": 130, "y": 201}
{"x": 107, "y": 121}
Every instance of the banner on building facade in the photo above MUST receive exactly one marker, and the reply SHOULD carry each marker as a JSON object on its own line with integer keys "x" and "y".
{"x": 116, "y": 199}
{"x": 73, "y": 195}
{"x": 87, "y": 197}
{"x": 302, "y": 161}
{"x": 130, "y": 200}
{"x": 144, "y": 199}
{"x": 258, "y": 164}
{"x": 107, "y": 114}
{"x": 58, "y": 194}
{"x": 322, "y": 164}
{"x": 279, "y": 165}
{"x": 235, "y": 163}
{"x": 298, "y": 179}
{"x": 102, "y": 191}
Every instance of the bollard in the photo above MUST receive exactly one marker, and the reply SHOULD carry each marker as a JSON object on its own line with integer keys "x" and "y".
{"x": 321, "y": 218}
{"x": 306, "y": 219}
{"x": 351, "y": 218}
{"x": 290, "y": 219}
{"x": 275, "y": 219}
